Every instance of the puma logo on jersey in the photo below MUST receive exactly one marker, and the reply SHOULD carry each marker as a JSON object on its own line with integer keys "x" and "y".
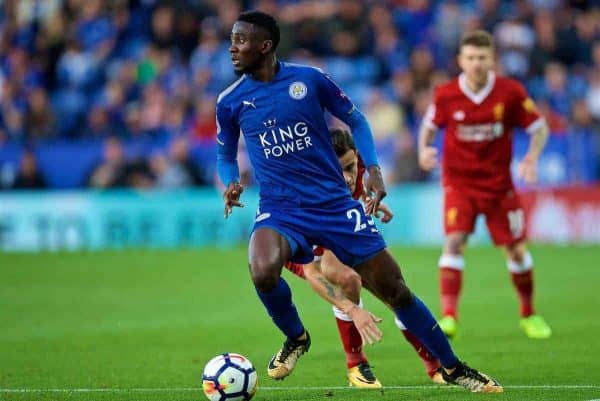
{"x": 249, "y": 103}
{"x": 459, "y": 115}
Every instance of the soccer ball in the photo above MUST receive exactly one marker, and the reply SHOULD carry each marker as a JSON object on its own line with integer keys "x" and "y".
{"x": 229, "y": 377}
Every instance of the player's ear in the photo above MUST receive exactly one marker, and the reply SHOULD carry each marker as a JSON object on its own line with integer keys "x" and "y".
{"x": 267, "y": 46}
{"x": 459, "y": 59}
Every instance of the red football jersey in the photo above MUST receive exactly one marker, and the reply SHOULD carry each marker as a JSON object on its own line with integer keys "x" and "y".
{"x": 359, "y": 189}
{"x": 479, "y": 132}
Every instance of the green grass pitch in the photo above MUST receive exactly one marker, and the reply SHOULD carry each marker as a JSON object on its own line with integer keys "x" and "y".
{"x": 140, "y": 325}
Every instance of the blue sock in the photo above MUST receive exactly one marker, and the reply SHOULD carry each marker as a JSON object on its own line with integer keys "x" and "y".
{"x": 279, "y": 304}
{"x": 418, "y": 319}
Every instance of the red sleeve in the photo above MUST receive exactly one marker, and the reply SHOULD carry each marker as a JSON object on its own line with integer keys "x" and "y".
{"x": 359, "y": 189}
{"x": 434, "y": 116}
{"x": 296, "y": 268}
{"x": 526, "y": 114}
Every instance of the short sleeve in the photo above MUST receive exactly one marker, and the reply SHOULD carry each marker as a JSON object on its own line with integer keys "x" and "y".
{"x": 526, "y": 114}
{"x": 434, "y": 116}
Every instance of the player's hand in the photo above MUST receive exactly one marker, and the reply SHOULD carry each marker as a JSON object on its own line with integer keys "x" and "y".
{"x": 366, "y": 324}
{"x": 231, "y": 197}
{"x": 428, "y": 158}
{"x": 375, "y": 190}
{"x": 384, "y": 213}
{"x": 528, "y": 170}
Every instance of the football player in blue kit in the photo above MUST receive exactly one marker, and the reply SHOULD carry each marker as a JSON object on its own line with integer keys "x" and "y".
{"x": 304, "y": 201}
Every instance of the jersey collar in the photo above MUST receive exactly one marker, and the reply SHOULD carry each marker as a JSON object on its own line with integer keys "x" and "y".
{"x": 275, "y": 78}
{"x": 480, "y": 96}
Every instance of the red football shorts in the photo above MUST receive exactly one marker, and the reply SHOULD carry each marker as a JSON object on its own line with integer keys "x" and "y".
{"x": 504, "y": 215}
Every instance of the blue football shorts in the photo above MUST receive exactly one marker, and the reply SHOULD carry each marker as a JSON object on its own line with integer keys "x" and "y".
{"x": 342, "y": 227}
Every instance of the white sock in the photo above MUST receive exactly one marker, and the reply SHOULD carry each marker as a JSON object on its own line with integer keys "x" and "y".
{"x": 341, "y": 315}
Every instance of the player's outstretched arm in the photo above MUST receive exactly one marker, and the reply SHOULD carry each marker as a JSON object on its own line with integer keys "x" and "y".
{"x": 228, "y": 134}
{"x": 365, "y": 144}
{"x": 336, "y": 101}
{"x": 528, "y": 166}
{"x": 364, "y": 320}
{"x": 428, "y": 155}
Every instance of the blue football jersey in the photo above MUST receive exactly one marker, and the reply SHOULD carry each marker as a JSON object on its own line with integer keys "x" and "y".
{"x": 286, "y": 134}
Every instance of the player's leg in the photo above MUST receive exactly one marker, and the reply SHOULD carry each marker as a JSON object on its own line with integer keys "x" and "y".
{"x": 354, "y": 239}
{"x": 359, "y": 373}
{"x": 506, "y": 223}
{"x": 451, "y": 265}
{"x": 268, "y": 251}
{"x": 459, "y": 220}
{"x": 336, "y": 272}
{"x": 381, "y": 275}
{"x": 431, "y": 363}
{"x": 520, "y": 266}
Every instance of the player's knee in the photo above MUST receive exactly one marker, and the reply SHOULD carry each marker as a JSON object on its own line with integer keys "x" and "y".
{"x": 265, "y": 274}
{"x": 516, "y": 257}
{"x": 402, "y": 296}
{"x": 263, "y": 280}
{"x": 455, "y": 244}
{"x": 351, "y": 284}
{"x": 516, "y": 253}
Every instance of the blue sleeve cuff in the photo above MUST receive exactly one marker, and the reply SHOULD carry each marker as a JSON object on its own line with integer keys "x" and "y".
{"x": 228, "y": 170}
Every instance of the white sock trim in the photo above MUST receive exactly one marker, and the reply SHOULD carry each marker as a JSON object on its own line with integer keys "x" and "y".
{"x": 399, "y": 323}
{"x": 516, "y": 267}
{"x": 341, "y": 315}
{"x": 456, "y": 262}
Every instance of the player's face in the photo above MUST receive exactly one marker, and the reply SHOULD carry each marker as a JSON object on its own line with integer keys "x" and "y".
{"x": 247, "y": 48}
{"x": 476, "y": 62}
{"x": 349, "y": 163}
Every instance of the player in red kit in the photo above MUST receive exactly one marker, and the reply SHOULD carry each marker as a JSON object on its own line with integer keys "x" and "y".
{"x": 479, "y": 111}
{"x": 355, "y": 325}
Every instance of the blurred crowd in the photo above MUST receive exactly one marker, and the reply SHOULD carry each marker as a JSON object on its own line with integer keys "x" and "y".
{"x": 116, "y": 73}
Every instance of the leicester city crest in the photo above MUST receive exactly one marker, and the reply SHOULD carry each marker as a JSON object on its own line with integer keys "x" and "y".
{"x": 298, "y": 90}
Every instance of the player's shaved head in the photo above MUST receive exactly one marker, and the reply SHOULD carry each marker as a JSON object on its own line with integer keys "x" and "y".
{"x": 266, "y": 24}
{"x": 342, "y": 141}
{"x": 477, "y": 38}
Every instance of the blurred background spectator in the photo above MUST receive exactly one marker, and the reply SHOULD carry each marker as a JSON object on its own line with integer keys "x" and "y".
{"x": 130, "y": 85}
{"x": 28, "y": 176}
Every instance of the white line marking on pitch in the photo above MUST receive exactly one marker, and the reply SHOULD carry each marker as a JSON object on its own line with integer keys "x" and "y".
{"x": 149, "y": 390}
